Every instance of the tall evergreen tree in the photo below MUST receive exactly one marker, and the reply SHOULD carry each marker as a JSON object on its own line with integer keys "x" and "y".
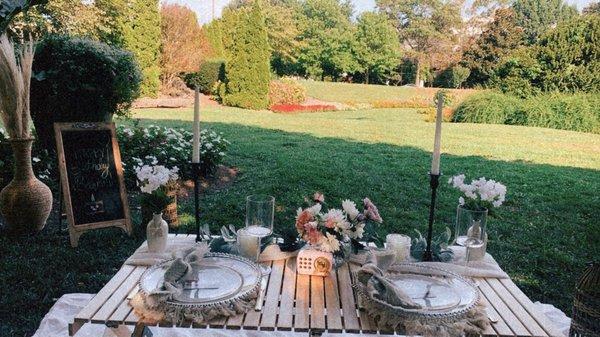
{"x": 499, "y": 39}
{"x": 247, "y": 58}
{"x": 135, "y": 26}
{"x": 536, "y": 16}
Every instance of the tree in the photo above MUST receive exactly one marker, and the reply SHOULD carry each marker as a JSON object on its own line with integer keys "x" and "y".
{"x": 426, "y": 27}
{"x": 135, "y": 26}
{"x": 327, "y": 37}
{"x": 181, "y": 38}
{"x": 70, "y": 17}
{"x": 377, "y": 46}
{"x": 452, "y": 77}
{"x": 593, "y": 8}
{"x": 247, "y": 58}
{"x": 498, "y": 40}
{"x": 565, "y": 59}
{"x": 536, "y": 16}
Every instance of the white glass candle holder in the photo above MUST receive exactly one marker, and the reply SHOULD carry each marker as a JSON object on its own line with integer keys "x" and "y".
{"x": 400, "y": 244}
{"x": 248, "y": 245}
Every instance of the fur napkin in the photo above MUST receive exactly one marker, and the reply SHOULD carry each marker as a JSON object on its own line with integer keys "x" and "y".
{"x": 378, "y": 286}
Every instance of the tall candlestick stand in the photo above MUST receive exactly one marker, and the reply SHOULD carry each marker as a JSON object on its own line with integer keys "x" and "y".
{"x": 434, "y": 182}
{"x": 196, "y": 173}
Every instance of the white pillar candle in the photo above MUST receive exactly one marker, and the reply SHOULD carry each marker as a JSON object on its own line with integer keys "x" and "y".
{"x": 400, "y": 244}
{"x": 196, "y": 127}
{"x": 435, "y": 163}
{"x": 248, "y": 245}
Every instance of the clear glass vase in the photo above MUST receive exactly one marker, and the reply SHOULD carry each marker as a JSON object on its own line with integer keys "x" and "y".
{"x": 470, "y": 227}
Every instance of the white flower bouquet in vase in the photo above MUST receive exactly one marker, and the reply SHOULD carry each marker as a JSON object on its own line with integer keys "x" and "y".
{"x": 477, "y": 201}
{"x": 154, "y": 182}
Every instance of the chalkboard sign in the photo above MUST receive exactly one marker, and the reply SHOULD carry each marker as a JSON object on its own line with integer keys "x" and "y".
{"x": 91, "y": 177}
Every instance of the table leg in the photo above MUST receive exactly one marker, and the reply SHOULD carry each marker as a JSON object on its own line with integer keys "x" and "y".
{"x": 118, "y": 331}
{"x": 141, "y": 330}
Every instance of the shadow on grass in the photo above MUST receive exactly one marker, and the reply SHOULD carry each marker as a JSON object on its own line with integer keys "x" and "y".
{"x": 546, "y": 232}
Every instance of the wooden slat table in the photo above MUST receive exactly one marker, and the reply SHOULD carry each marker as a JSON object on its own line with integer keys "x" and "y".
{"x": 308, "y": 303}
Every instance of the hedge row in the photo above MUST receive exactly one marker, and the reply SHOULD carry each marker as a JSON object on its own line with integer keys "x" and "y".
{"x": 576, "y": 112}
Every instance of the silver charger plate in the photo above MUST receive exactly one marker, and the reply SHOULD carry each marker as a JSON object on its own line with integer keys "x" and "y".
{"x": 441, "y": 293}
{"x": 220, "y": 277}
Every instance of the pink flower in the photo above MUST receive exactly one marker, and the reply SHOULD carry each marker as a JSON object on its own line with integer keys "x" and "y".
{"x": 371, "y": 211}
{"x": 304, "y": 218}
{"x": 318, "y": 197}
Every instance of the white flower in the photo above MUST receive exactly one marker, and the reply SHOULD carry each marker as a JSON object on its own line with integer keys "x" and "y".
{"x": 337, "y": 219}
{"x": 358, "y": 231}
{"x": 350, "y": 209}
{"x": 36, "y": 159}
{"x": 329, "y": 243}
{"x": 461, "y": 201}
{"x": 315, "y": 209}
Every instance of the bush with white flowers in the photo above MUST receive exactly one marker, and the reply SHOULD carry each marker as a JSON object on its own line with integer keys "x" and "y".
{"x": 480, "y": 194}
{"x": 156, "y": 145}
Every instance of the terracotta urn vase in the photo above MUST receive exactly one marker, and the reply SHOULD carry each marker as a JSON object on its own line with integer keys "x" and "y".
{"x": 26, "y": 202}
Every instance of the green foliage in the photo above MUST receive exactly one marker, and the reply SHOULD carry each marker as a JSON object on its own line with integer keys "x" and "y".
{"x": 247, "y": 59}
{"x": 76, "y": 79}
{"x": 286, "y": 91}
{"x": 427, "y": 27}
{"x": 566, "y": 59}
{"x": 327, "y": 39}
{"x": 593, "y": 8}
{"x": 69, "y": 17}
{"x": 439, "y": 246}
{"x": 498, "y": 40}
{"x": 10, "y": 8}
{"x": 452, "y": 77}
{"x": 577, "y": 112}
{"x": 135, "y": 26}
{"x": 214, "y": 36}
{"x": 537, "y": 16}
{"x": 209, "y": 73}
{"x": 518, "y": 74}
{"x": 377, "y": 47}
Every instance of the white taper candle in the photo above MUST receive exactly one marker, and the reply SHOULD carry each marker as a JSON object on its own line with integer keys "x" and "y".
{"x": 435, "y": 163}
{"x": 196, "y": 127}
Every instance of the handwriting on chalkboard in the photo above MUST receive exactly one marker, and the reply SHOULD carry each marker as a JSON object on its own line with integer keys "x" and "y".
{"x": 92, "y": 163}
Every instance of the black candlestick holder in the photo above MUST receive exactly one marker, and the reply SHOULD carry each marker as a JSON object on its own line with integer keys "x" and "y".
{"x": 196, "y": 173}
{"x": 434, "y": 182}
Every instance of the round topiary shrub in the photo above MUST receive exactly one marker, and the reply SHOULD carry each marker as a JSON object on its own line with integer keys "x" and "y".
{"x": 209, "y": 73}
{"x": 80, "y": 80}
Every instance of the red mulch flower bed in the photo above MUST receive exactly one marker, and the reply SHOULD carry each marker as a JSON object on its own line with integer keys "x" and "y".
{"x": 291, "y": 108}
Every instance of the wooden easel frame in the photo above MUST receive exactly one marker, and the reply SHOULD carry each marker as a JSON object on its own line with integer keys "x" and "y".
{"x": 76, "y": 230}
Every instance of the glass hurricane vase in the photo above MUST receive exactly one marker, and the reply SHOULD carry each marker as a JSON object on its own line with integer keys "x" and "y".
{"x": 470, "y": 232}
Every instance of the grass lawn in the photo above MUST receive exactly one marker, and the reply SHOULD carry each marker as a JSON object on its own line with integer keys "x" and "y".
{"x": 546, "y": 232}
{"x": 352, "y": 93}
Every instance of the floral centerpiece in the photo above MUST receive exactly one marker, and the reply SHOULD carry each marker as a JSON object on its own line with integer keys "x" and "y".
{"x": 154, "y": 182}
{"x": 327, "y": 229}
{"x": 479, "y": 197}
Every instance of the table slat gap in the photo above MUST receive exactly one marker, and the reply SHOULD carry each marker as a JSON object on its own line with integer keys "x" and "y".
{"x": 509, "y": 317}
{"x": 288, "y": 293}
{"x": 346, "y": 294}
{"x": 317, "y": 302}
{"x": 301, "y": 314}
{"x": 332, "y": 303}
{"x": 500, "y": 327}
{"x": 124, "y": 308}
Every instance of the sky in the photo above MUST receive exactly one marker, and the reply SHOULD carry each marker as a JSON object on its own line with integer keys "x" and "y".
{"x": 203, "y": 8}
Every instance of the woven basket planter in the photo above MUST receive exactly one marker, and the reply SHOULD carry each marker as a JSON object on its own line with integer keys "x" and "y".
{"x": 26, "y": 202}
{"x": 586, "y": 304}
